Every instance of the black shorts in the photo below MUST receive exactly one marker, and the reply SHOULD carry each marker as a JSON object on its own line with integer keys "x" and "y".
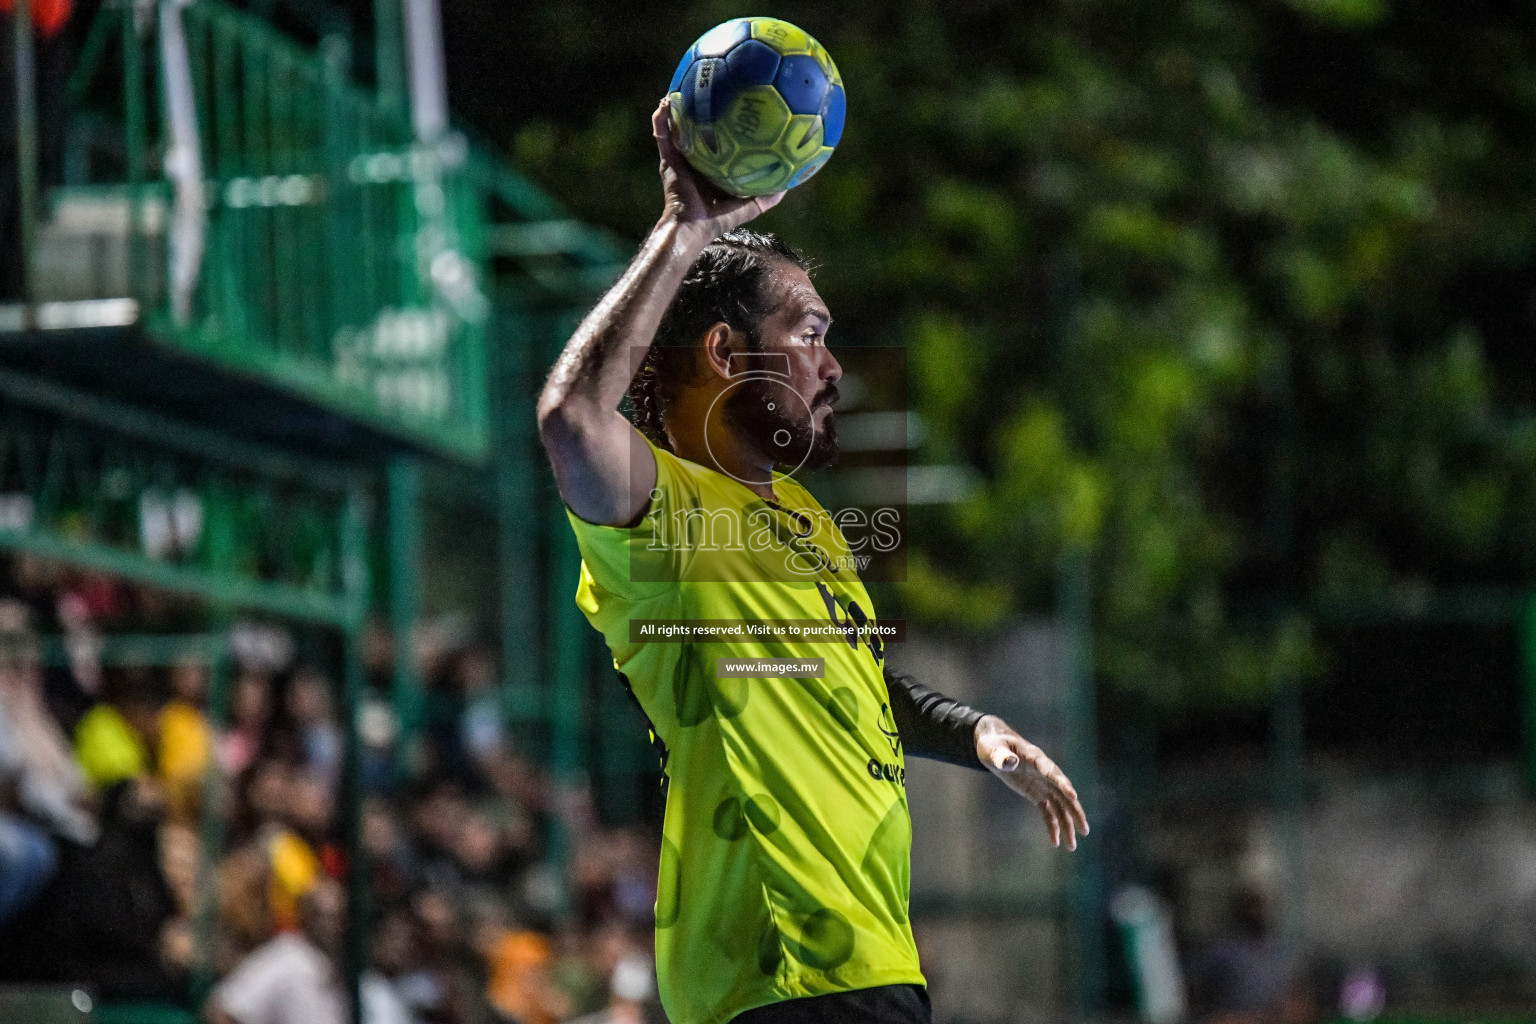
{"x": 888, "y": 1004}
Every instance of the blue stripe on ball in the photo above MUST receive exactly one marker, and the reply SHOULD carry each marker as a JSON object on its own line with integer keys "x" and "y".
{"x": 701, "y": 99}
{"x": 832, "y": 120}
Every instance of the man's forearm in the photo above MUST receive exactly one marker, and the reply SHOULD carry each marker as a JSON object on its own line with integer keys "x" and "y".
{"x": 933, "y": 725}
{"x": 602, "y": 357}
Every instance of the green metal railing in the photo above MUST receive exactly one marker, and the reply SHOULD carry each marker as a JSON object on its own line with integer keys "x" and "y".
{"x": 324, "y": 248}
{"x": 328, "y": 251}
{"x": 97, "y": 484}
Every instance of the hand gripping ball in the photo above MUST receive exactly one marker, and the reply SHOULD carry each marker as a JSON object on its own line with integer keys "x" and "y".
{"x": 757, "y": 105}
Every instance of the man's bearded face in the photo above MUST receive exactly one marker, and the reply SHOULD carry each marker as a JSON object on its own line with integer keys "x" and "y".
{"x": 766, "y": 413}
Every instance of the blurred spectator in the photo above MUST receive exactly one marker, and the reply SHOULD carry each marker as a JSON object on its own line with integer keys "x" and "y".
{"x": 377, "y": 730}
{"x": 521, "y": 985}
{"x": 186, "y": 739}
{"x": 113, "y": 740}
{"x": 40, "y": 787}
{"x": 250, "y": 708}
{"x": 464, "y": 902}
{"x": 1246, "y": 975}
{"x": 110, "y": 904}
{"x": 389, "y": 853}
{"x": 283, "y": 806}
{"x": 481, "y": 732}
{"x": 631, "y": 987}
{"x": 395, "y": 950}
{"x": 36, "y": 583}
{"x": 294, "y": 978}
{"x": 309, "y": 709}
{"x": 245, "y": 916}
{"x": 378, "y": 653}
{"x": 44, "y": 780}
{"x": 440, "y": 990}
{"x": 28, "y": 859}
{"x": 179, "y": 866}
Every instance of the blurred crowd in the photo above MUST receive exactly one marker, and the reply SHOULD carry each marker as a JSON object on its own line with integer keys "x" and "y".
{"x": 155, "y": 856}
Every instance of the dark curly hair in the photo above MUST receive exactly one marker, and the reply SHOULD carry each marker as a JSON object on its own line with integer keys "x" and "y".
{"x": 725, "y": 284}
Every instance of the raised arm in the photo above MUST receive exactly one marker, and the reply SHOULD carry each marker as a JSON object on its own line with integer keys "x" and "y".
{"x": 939, "y": 727}
{"x": 602, "y": 465}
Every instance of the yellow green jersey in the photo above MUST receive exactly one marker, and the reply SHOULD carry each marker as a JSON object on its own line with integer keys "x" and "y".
{"x": 786, "y": 845}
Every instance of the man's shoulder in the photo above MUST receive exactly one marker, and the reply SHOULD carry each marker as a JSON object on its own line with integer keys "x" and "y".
{"x": 671, "y": 467}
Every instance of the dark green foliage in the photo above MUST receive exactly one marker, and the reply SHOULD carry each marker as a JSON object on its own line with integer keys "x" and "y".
{"x": 1238, "y": 295}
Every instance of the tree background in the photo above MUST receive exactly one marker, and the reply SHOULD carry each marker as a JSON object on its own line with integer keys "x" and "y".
{"x": 1234, "y": 295}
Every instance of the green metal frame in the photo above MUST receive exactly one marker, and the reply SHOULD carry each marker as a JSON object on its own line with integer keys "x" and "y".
{"x": 86, "y": 466}
{"x": 327, "y": 228}
{"x": 403, "y": 481}
{"x": 329, "y": 231}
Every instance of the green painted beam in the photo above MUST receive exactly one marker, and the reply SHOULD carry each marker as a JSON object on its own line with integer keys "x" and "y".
{"x": 404, "y": 538}
{"x": 174, "y": 435}
{"x": 152, "y": 649}
{"x": 269, "y": 598}
{"x": 354, "y": 545}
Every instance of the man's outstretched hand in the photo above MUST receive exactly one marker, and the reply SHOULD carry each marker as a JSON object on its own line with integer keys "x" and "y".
{"x": 1026, "y": 770}
{"x": 690, "y": 199}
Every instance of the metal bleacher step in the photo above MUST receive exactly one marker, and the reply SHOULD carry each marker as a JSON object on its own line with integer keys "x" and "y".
{"x": 86, "y": 250}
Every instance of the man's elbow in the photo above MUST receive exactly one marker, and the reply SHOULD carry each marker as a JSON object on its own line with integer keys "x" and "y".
{"x": 549, "y": 412}
{"x": 566, "y": 425}
{"x": 558, "y": 419}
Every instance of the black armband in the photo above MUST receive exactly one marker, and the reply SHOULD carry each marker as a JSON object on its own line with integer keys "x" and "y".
{"x": 933, "y": 725}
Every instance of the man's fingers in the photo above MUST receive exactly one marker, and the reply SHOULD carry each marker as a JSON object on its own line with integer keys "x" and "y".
{"x": 1070, "y": 804}
{"x": 661, "y": 121}
{"x": 664, "y": 141}
{"x": 1071, "y": 807}
{"x": 1049, "y": 814}
{"x": 739, "y": 211}
{"x": 1079, "y": 816}
{"x": 661, "y": 127}
{"x": 726, "y": 211}
{"x": 1067, "y": 824}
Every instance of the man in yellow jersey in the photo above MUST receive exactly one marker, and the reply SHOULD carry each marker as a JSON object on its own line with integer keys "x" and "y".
{"x": 783, "y": 885}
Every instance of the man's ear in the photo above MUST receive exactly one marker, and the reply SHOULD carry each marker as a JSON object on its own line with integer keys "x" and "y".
{"x": 719, "y": 342}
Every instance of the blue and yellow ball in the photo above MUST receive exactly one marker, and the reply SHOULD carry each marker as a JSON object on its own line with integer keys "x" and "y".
{"x": 757, "y": 105}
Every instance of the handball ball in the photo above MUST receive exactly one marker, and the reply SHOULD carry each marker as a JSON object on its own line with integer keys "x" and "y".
{"x": 757, "y": 105}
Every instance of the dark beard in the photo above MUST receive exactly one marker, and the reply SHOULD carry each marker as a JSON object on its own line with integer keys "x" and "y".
{"x": 804, "y": 445}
